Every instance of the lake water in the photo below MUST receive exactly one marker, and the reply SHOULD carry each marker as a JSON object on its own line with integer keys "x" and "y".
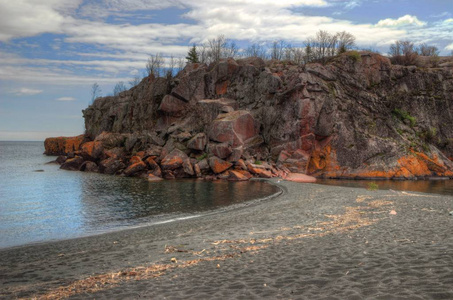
{"x": 439, "y": 186}
{"x": 39, "y": 202}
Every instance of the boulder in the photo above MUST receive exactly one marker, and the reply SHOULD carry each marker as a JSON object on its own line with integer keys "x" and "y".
{"x": 298, "y": 177}
{"x": 237, "y": 176}
{"x": 221, "y": 150}
{"x": 236, "y": 154}
{"x": 197, "y": 170}
{"x": 252, "y": 61}
{"x": 259, "y": 170}
{"x": 198, "y": 142}
{"x": 152, "y": 178}
{"x": 135, "y": 168}
{"x": 111, "y": 140}
{"x": 61, "y": 159}
{"x": 153, "y": 150}
{"x": 203, "y": 164}
{"x": 235, "y": 128}
{"x": 219, "y": 165}
{"x": 135, "y": 159}
{"x": 114, "y": 152}
{"x": 153, "y": 167}
{"x": 111, "y": 165}
{"x": 187, "y": 167}
{"x": 173, "y": 160}
{"x": 172, "y": 106}
{"x": 89, "y": 166}
{"x": 168, "y": 174}
{"x": 211, "y": 108}
{"x": 62, "y": 145}
{"x": 191, "y": 85}
{"x": 91, "y": 150}
{"x": 240, "y": 164}
{"x": 72, "y": 164}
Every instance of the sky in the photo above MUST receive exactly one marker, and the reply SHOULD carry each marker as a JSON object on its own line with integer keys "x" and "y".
{"x": 53, "y": 51}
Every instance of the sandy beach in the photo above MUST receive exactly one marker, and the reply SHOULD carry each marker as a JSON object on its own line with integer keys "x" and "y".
{"x": 311, "y": 242}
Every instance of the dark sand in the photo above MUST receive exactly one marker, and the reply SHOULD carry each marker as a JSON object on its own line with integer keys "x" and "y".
{"x": 313, "y": 242}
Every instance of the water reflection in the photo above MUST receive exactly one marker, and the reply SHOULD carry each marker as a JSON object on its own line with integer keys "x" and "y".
{"x": 115, "y": 201}
{"x": 443, "y": 187}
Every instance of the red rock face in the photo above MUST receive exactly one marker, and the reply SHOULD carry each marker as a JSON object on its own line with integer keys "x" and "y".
{"x": 135, "y": 168}
{"x": 172, "y": 106}
{"x": 135, "y": 159}
{"x": 219, "y": 165}
{"x": 234, "y": 127}
{"x": 91, "y": 150}
{"x": 237, "y": 176}
{"x": 62, "y": 145}
{"x": 173, "y": 160}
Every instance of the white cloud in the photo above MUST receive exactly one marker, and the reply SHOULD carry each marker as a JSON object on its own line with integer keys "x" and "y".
{"x": 449, "y": 47}
{"x": 441, "y": 15}
{"x": 402, "y": 21}
{"x": 27, "y": 92}
{"x": 66, "y": 99}
{"x": 21, "y": 18}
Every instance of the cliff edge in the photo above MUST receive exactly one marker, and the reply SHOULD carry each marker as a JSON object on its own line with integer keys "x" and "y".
{"x": 358, "y": 116}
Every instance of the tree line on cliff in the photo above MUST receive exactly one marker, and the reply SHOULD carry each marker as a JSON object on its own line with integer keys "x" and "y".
{"x": 319, "y": 48}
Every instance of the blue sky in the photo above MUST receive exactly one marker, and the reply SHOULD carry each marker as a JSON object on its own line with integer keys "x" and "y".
{"x": 52, "y": 51}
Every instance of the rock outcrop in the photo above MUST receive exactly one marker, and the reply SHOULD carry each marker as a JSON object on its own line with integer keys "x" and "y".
{"x": 62, "y": 145}
{"x": 358, "y": 116}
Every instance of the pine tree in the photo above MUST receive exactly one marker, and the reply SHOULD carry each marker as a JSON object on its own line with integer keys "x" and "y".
{"x": 192, "y": 55}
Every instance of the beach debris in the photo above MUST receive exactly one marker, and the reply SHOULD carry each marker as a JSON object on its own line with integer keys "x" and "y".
{"x": 392, "y": 212}
{"x": 451, "y": 213}
{"x": 218, "y": 266}
{"x": 173, "y": 260}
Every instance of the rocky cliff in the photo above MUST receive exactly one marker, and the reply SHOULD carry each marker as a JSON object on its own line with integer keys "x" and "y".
{"x": 358, "y": 116}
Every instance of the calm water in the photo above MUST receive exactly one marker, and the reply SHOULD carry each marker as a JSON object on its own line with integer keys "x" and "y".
{"x": 442, "y": 187}
{"x": 39, "y": 202}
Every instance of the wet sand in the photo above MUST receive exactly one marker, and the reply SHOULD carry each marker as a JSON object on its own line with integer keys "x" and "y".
{"x": 312, "y": 242}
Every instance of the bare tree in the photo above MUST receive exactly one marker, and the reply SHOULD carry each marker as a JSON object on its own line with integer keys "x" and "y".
{"x": 288, "y": 52}
{"x": 230, "y": 49}
{"x": 298, "y": 55}
{"x": 155, "y": 64}
{"x": 134, "y": 81}
{"x": 180, "y": 64}
{"x": 119, "y": 87}
{"x": 203, "y": 53}
{"x": 216, "y": 47}
{"x": 345, "y": 41}
{"x": 95, "y": 91}
{"x": 308, "y": 50}
{"x": 322, "y": 42}
{"x": 277, "y": 49}
{"x": 170, "y": 67}
{"x": 255, "y": 50}
{"x": 403, "y": 53}
{"x": 426, "y": 50}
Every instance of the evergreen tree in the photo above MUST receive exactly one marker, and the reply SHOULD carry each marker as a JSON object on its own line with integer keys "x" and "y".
{"x": 192, "y": 55}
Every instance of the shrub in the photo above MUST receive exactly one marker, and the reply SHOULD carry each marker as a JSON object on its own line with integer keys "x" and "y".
{"x": 201, "y": 157}
{"x": 404, "y": 115}
{"x": 355, "y": 56}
